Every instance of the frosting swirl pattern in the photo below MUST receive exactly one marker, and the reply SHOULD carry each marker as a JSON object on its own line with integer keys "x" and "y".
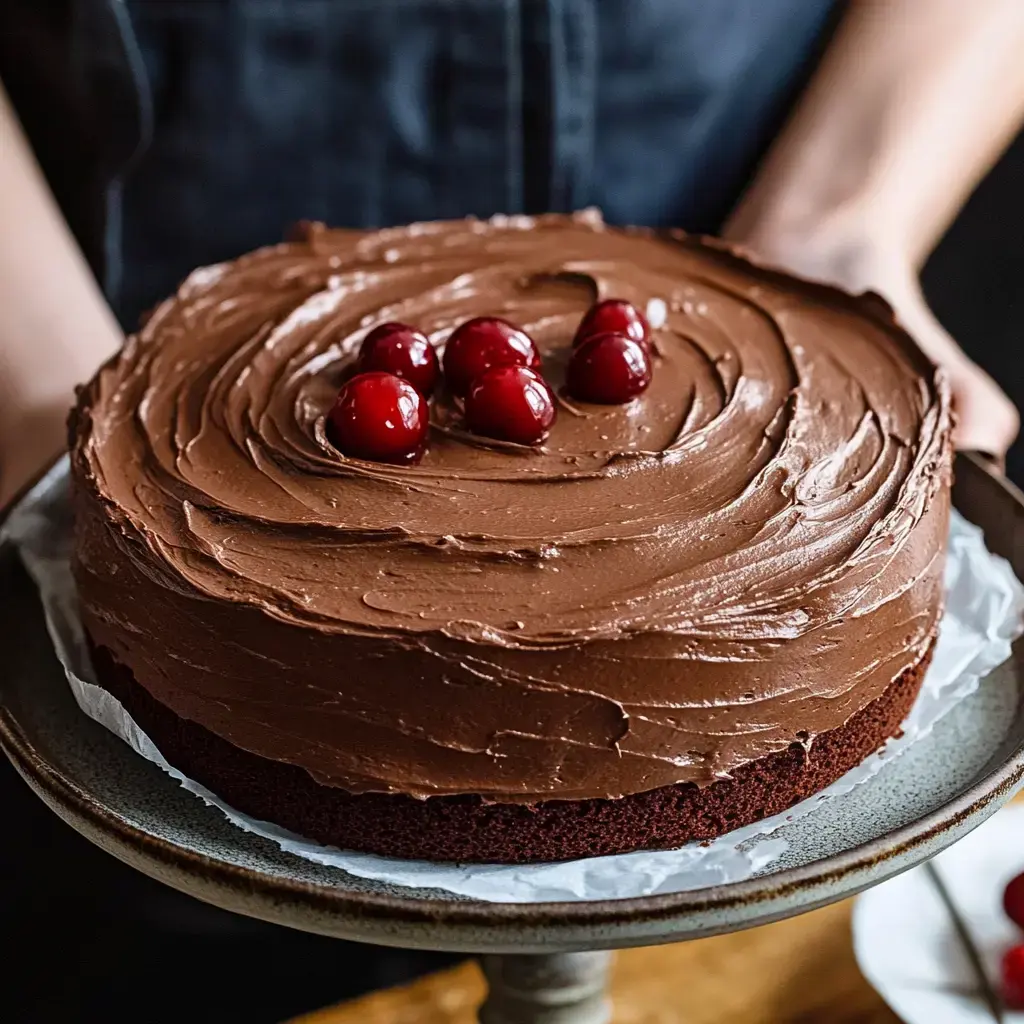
{"x": 745, "y": 555}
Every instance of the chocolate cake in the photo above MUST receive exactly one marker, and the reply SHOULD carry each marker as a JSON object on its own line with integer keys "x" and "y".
{"x": 672, "y": 617}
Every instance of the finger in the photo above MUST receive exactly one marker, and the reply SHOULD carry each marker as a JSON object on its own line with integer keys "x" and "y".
{"x": 987, "y": 421}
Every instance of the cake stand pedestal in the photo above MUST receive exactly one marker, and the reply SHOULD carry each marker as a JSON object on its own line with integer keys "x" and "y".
{"x": 556, "y": 988}
{"x": 545, "y": 962}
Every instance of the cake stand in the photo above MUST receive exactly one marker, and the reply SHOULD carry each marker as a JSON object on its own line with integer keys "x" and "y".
{"x": 545, "y": 963}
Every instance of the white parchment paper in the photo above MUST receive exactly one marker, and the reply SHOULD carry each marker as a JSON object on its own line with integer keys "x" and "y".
{"x": 984, "y": 613}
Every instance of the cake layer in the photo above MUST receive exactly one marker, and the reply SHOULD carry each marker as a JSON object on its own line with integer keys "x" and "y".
{"x": 465, "y": 828}
{"x": 748, "y": 553}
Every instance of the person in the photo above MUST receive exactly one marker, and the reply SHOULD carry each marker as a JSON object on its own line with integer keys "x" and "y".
{"x": 139, "y": 139}
{"x": 191, "y": 132}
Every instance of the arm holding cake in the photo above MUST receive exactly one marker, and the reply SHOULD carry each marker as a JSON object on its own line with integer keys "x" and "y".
{"x": 55, "y": 328}
{"x": 912, "y": 104}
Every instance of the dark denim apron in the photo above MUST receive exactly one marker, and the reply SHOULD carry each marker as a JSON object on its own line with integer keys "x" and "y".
{"x": 375, "y": 112}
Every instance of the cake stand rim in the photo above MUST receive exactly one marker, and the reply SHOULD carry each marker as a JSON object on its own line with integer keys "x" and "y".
{"x": 390, "y": 919}
{"x": 472, "y": 925}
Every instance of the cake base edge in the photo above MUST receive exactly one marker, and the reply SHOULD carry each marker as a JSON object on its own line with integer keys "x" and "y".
{"x": 468, "y": 829}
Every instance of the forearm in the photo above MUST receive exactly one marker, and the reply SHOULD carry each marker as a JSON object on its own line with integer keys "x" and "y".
{"x": 55, "y": 327}
{"x": 913, "y": 102}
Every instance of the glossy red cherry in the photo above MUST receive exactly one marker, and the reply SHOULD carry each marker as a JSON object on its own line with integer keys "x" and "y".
{"x": 1012, "y": 977}
{"x": 402, "y": 350}
{"x": 613, "y": 315}
{"x": 1013, "y": 900}
{"x": 609, "y": 369}
{"x": 510, "y": 403}
{"x": 380, "y": 417}
{"x": 481, "y": 343}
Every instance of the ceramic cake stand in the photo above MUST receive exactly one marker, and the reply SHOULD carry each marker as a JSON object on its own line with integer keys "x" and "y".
{"x": 545, "y": 963}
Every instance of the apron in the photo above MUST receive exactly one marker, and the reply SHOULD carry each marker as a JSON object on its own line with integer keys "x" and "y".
{"x": 366, "y": 113}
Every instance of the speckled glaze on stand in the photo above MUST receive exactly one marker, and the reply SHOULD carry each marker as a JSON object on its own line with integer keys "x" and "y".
{"x": 942, "y": 787}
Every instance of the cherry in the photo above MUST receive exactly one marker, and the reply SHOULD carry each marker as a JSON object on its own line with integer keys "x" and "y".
{"x": 481, "y": 343}
{"x": 402, "y": 350}
{"x": 1013, "y": 900}
{"x": 613, "y": 315}
{"x": 608, "y": 369}
{"x": 380, "y": 417}
{"x": 511, "y": 403}
{"x": 1012, "y": 977}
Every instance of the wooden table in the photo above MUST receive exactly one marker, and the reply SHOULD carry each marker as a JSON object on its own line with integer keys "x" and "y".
{"x": 800, "y": 971}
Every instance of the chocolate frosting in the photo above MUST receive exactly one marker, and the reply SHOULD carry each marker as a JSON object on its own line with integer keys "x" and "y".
{"x": 744, "y": 556}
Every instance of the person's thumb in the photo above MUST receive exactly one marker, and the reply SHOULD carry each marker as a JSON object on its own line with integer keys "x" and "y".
{"x": 987, "y": 421}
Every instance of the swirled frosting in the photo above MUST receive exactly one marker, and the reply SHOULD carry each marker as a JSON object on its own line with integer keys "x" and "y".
{"x": 744, "y": 556}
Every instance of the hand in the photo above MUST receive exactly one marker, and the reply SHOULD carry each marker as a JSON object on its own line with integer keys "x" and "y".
{"x": 55, "y": 327}
{"x": 987, "y": 421}
{"x": 909, "y": 107}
